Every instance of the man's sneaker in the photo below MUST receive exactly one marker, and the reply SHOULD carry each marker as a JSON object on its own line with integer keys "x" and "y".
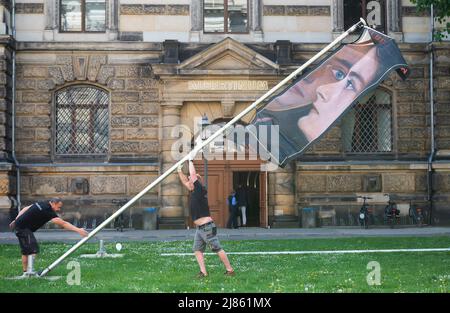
{"x": 201, "y": 275}
{"x": 229, "y": 273}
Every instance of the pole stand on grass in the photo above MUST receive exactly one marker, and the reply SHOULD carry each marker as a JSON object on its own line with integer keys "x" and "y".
{"x": 198, "y": 148}
{"x": 30, "y": 273}
{"x": 101, "y": 253}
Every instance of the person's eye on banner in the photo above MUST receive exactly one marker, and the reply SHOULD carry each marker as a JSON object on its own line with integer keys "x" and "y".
{"x": 315, "y": 101}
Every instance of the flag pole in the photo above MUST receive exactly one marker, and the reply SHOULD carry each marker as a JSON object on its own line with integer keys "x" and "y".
{"x": 201, "y": 145}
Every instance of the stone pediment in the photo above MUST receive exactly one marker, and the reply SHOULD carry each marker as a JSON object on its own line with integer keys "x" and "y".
{"x": 228, "y": 57}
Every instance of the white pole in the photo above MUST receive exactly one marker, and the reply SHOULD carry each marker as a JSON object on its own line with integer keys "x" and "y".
{"x": 30, "y": 265}
{"x": 201, "y": 145}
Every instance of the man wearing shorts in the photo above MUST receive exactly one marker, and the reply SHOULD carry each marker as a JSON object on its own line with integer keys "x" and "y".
{"x": 206, "y": 232}
{"x": 33, "y": 217}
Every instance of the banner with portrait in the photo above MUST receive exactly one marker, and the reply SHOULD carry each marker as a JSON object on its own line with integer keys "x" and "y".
{"x": 308, "y": 107}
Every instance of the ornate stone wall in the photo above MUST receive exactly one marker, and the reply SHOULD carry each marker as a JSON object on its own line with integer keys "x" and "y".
{"x": 411, "y": 110}
{"x": 91, "y": 193}
{"x": 134, "y": 97}
{"x": 7, "y": 169}
{"x": 333, "y": 189}
{"x": 296, "y": 10}
{"x": 141, "y": 122}
{"x": 441, "y": 177}
{"x": 92, "y": 190}
{"x": 402, "y": 173}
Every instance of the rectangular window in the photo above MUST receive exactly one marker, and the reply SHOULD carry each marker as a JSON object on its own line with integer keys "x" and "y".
{"x": 82, "y": 15}
{"x": 225, "y": 16}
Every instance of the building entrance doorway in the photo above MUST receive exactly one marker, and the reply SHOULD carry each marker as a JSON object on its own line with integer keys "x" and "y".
{"x": 247, "y": 186}
{"x": 223, "y": 177}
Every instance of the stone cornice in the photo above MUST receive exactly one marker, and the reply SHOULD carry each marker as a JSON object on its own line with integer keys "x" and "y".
{"x": 86, "y": 46}
{"x": 152, "y": 9}
{"x": 296, "y": 10}
{"x": 29, "y": 8}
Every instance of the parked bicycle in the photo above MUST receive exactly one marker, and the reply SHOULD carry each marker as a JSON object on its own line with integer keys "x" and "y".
{"x": 416, "y": 214}
{"x": 364, "y": 213}
{"x": 391, "y": 213}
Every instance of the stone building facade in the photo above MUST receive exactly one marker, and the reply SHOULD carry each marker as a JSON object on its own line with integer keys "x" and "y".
{"x": 157, "y": 68}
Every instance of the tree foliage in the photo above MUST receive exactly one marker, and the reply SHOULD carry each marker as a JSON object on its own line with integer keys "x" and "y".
{"x": 441, "y": 10}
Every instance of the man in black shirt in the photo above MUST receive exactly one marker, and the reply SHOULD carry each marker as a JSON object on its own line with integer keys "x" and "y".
{"x": 33, "y": 217}
{"x": 206, "y": 232}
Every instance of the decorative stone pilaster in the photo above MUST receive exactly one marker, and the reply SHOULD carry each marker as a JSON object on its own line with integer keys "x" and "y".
{"x": 113, "y": 19}
{"x": 51, "y": 21}
{"x": 338, "y": 17}
{"x": 282, "y": 197}
{"x": 394, "y": 20}
{"x": 3, "y": 13}
{"x": 7, "y": 168}
{"x": 256, "y": 16}
{"x": 196, "y": 20}
{"x": 172, "y": 213}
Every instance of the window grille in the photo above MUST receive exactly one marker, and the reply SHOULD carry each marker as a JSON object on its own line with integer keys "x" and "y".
{"x": 82, "y": 121}
{"x": 367, "y": 128}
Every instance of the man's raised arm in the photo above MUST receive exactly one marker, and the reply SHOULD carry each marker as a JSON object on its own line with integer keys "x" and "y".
{"x": 183, "y": 177}
{"x": 192, "y": 171}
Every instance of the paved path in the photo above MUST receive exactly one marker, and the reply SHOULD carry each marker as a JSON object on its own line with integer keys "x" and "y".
{"x": 248, "y": 233}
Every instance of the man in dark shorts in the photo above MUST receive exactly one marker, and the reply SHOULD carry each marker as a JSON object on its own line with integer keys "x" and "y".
{"x": 206, "y": 232}
{"x": 33, "y": 217}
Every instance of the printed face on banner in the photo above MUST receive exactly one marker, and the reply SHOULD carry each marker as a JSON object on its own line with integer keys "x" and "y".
{"x": 311, "y": 105}
{"x": 343, "y": 79}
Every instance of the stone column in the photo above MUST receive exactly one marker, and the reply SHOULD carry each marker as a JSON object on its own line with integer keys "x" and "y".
{"x": 172, "y": 212}
{"x": 338, "y": 16}
{"x": 393, "y": 19}
{"x": 3, "y": 12}
{"x": 112, "y": 26}
{"x": 256, "y": 15}
{"x": 282, "y": 185}
{"x": 255, "y": 10}
{"x": 196, "y": 8}
{"x": 196, "y": 15}
{"x": 51, "y": 21}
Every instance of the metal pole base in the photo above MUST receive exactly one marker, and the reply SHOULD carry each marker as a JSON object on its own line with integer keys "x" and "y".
{"x": 27, "y": 275}
{"x": 101, "y": 253}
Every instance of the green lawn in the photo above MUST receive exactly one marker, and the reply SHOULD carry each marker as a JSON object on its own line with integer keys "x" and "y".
{"x": 143, "y": 269}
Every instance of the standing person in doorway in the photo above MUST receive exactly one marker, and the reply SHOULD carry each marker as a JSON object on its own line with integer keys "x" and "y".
{"x": 33, "y": 217}
{"x": 242, "y": 201}
{"x": 206, "y": 232}
{"x": 233, "y": 210}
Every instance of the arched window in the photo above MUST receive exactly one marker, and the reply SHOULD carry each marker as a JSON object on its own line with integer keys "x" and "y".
{"x": 82, "y": 121}
{"x": 367, "y": 128}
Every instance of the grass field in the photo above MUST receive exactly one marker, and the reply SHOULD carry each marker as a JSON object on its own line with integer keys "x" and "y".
{"x": 143, "y": 269}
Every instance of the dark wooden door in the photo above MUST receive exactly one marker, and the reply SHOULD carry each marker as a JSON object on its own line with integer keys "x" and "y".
{"x": 220, "y": 184}
{"x": 216, "y": 197}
